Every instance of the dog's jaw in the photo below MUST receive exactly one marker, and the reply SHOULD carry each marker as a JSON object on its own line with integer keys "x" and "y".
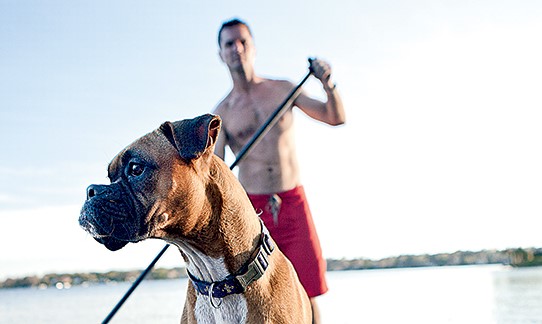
{"x": 109, "y": 218}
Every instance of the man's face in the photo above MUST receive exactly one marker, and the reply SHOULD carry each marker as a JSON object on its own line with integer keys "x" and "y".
{"x": 236, "y": 47}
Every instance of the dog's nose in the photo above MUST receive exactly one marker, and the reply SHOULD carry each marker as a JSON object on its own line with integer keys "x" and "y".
{"x": 93, "y": 191}
{"x": 90, "y": 192}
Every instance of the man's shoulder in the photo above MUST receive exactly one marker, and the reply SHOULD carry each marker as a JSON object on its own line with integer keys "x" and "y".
{"x": 278, "y": 82}
{"x": 223, "y": 104}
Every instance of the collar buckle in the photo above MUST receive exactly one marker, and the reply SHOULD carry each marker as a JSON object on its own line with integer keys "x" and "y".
{"x": 255, "y": 269}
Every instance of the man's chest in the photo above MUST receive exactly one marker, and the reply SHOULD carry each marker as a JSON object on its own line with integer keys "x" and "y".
{"x": 246, "y": 115}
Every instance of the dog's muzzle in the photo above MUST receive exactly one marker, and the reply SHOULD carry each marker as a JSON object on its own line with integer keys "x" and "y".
{"x": 108, "y": 218}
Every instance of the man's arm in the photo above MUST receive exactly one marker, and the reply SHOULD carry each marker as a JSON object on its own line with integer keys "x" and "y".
{"x": 330, "y": 112}
{"x": 221, "y": 141}
{"x": 220, "y": 146}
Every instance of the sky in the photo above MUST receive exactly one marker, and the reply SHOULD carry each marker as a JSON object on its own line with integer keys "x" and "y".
{"x": 441, "y": 150}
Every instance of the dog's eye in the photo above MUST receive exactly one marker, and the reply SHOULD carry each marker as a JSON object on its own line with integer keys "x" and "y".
{"x": 135, "y": 169}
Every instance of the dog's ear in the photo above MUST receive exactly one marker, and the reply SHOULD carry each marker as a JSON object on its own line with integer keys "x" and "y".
{"x": 192, "y": 137}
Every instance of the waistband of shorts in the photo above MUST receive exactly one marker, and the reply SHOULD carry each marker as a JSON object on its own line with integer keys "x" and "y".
{"x": 295, "y": 192}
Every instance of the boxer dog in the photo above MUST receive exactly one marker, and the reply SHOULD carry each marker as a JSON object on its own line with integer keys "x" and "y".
{"x": 169, "y": 185}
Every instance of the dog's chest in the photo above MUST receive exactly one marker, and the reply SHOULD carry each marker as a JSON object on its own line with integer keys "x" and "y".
{"x": 232, "y": 310}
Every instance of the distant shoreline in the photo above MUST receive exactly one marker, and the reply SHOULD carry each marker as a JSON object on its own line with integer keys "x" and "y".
{"x": 517, "y": 257}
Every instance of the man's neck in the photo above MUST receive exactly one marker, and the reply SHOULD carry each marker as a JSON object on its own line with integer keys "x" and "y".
{"x": 244, "y": 80}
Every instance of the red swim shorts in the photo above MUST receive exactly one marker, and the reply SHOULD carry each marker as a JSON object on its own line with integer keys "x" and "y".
{"x": 294, "y": 232}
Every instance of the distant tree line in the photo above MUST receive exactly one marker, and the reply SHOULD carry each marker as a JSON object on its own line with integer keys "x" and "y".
{"x": 70, "y": 279}
{"x": 514, "y": 257}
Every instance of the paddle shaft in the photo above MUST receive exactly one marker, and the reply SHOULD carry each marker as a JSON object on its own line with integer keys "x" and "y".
{"x": 134, "y": 285}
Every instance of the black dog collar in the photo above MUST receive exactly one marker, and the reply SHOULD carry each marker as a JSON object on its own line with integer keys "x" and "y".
{"x": 238, "y": 282}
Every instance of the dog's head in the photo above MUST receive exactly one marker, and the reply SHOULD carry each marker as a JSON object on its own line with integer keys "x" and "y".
{"x": 157, "y": 181}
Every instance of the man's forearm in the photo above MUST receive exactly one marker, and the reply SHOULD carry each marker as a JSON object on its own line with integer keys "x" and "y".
{"x": 334, "y": 104}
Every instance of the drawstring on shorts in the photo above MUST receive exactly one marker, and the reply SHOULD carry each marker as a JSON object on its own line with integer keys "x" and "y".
{"x": 273, "y": 206}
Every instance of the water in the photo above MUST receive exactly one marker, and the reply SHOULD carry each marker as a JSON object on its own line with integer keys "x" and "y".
{"x": 471, "y": 294}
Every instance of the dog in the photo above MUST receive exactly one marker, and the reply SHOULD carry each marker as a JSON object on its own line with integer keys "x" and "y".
{"x": 170, "y": 185}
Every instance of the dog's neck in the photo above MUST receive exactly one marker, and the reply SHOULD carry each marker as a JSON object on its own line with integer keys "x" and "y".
{"x": 203, "y": 266}
{"x": 231, "y": 235}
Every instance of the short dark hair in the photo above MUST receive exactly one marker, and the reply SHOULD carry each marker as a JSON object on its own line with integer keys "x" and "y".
{"x": 231, "y": 23}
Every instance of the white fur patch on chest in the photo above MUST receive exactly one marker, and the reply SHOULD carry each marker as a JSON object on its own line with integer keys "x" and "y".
{"x": 233, "y": 308}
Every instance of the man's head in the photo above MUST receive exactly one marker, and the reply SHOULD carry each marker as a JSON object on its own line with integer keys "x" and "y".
{"x": 236, "y": 45}
{"x": 231, "y": 23}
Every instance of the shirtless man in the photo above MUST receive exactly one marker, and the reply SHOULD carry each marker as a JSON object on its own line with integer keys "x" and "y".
{"x": 270, "y": 172}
